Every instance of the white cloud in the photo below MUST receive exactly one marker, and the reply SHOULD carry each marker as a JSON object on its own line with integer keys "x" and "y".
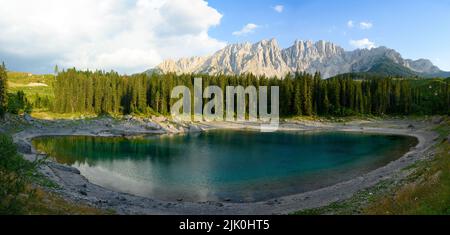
{"x": 278, "y": 8}
{"x": 128, "y": 36}
{"x": 350, "y": 24}
{"x": 363, "y": 43}
{"x": 365, "y": 25}
{"x": 248, "y": 28}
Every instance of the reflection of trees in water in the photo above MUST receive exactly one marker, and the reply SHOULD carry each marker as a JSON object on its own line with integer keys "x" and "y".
{"x": 89, "y": 150}
{"x": 166, "y": 149}
{"x": 228, "y": 164}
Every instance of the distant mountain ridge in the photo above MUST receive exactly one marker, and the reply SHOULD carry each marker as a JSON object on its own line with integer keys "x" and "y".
{"x": 267, "y": 58}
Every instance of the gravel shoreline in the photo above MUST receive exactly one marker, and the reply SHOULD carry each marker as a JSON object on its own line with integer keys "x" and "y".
{"x": 76, "y": 188}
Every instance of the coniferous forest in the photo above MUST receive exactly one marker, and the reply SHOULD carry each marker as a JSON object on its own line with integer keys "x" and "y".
{"x": 300, "y": 94}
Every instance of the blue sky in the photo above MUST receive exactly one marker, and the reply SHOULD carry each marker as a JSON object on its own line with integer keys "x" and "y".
{"x": 133, "y": 35}
{"x": 415, "y": 28}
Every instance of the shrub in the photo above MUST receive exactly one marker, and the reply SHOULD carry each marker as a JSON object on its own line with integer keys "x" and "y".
{"x": 18, "y": 103}
{"x": 15, "y": 178}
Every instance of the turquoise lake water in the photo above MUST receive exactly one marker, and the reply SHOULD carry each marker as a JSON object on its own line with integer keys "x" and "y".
{"x": 236, "y": 166}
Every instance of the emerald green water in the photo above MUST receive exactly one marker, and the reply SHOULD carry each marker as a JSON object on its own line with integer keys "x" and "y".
{"x": 234, "y": 166}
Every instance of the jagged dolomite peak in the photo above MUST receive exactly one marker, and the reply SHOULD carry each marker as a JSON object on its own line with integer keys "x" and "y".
{"x": 422, "y": 66}
{"x": 267, "y": 58}
{"x": 311, "y": 57}
{"x": 262, "y": 58}
{"x": 185, "y": 65}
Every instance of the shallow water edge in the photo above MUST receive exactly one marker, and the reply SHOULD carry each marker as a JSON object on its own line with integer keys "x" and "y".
{"x": 223, "y": 165}
{"x": 71, "y": 182}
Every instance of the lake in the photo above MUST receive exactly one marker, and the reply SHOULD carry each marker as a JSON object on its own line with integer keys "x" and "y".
{"x": 236, "y": 166}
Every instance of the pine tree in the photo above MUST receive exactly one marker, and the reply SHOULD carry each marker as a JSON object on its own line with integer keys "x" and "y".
{"x": 326, "y": 102}
{"x": 297, "y": 100}
{"x": 3, "y": 90}
{"x": 56, "y": 70}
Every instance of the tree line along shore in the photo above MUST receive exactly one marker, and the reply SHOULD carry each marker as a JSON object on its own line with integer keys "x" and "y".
{"x": 301, "y": 94}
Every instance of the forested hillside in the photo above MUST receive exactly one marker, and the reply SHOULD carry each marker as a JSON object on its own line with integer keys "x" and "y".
{"x": 300, "y": 93}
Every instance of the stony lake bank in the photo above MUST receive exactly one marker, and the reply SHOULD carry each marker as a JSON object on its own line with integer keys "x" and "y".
{"x": 75, "y": 188}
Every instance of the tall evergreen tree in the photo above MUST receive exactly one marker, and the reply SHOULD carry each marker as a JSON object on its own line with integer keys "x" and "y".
{"x": 3, "y": 89}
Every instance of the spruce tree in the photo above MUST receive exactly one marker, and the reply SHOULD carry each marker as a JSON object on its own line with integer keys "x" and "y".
{"x": 3, "y": 90}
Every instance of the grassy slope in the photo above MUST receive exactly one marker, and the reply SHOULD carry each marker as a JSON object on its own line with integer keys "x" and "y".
{"x": 425, "y": 192}
{"x": 21, "y": 81}
{"x": 46, "y": 203}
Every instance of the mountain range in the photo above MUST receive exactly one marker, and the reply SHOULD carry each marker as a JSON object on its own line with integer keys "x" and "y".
{"x": 267, "y": 58}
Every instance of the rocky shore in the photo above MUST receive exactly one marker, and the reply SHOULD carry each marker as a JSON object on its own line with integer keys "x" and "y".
{"x": 74, "y": 187}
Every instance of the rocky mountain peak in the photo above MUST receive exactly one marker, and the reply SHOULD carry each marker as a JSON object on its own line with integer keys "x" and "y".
{"x": 267, "y": 58}
{"x": 422, "y": 66}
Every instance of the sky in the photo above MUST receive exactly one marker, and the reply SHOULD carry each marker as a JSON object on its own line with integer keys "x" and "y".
{"x": 131, "y": 36}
